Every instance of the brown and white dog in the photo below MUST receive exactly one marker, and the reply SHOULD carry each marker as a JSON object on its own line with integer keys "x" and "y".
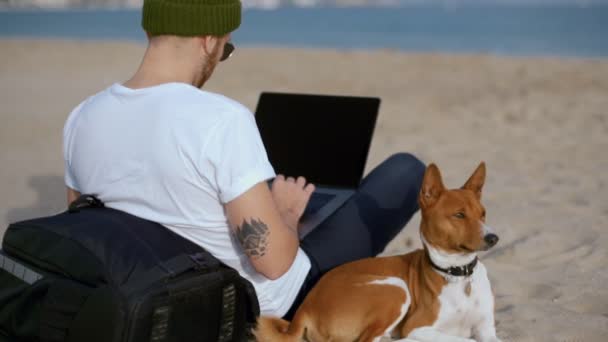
{"x": 439, "y": 293}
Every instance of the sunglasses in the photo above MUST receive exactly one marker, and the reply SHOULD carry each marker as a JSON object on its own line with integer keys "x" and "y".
{"x": 228, "y": 51}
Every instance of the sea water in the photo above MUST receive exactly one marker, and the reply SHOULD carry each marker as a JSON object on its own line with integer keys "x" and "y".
{"x": 525, "y": 30}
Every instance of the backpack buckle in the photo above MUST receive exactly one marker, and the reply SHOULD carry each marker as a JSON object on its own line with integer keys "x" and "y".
{"x": 85, "y": 201}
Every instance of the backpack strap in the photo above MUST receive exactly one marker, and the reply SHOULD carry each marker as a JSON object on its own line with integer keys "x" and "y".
{"x": 18, "y": 270}
{"x": 174, "y": 267}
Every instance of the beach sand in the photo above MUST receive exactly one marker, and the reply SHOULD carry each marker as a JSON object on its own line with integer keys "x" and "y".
{"x": 541, "y": 125}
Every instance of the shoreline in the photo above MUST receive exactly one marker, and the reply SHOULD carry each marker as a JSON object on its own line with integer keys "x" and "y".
{"x": 253, "y": 46}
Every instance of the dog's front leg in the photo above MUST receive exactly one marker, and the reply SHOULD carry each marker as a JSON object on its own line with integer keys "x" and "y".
{"x": 485, "y": 331}
{"x": 429, "y": 334}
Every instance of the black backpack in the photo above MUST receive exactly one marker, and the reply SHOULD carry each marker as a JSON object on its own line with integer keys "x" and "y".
{"x": 95, "y": 274}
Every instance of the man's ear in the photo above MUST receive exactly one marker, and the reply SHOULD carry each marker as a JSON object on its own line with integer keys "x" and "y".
{"x": 432, "y": 187}
{"x": 477, "y": 180}
{"x": 209, "y": 44}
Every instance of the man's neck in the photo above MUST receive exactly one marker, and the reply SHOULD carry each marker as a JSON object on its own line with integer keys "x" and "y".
{"x": 160, "y": 67}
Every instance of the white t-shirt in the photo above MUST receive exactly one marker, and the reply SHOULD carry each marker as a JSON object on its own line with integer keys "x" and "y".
{"x": 174, "y": 154}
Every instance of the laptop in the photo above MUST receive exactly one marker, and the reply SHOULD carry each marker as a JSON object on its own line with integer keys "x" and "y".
{"x": 324, "y": 138}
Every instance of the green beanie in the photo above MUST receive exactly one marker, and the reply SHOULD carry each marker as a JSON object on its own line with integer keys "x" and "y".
{"x": 191, "y": 17}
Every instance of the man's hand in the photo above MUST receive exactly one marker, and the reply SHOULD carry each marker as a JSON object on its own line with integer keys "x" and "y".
{"x": 72, "y": 195}
{"x": 291, "y": 197}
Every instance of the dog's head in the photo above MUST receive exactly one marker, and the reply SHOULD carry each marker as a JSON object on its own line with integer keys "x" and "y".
{"x": 454, "y": 220}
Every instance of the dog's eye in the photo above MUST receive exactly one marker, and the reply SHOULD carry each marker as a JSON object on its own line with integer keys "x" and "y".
{"x": 459, "y": 215}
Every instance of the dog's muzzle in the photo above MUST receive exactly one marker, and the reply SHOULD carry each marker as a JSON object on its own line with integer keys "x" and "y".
{"x": 491, "y": 240}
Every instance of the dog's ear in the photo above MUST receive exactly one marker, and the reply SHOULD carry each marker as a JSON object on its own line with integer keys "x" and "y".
{"x": 432, "y": 187}
{"x": 477, "y": 179}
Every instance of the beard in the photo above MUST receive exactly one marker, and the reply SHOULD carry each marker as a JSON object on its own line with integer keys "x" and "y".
{"x": 208, "y": 66}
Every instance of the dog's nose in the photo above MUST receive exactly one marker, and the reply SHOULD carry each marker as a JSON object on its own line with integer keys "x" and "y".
{"x": 491, "y": 239}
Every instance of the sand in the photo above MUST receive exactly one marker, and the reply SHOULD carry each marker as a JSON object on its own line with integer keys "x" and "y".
{"x": 541, "y": 125}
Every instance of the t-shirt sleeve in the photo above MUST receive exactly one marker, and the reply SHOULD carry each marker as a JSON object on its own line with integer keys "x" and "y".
{"x": 238, "y": 156}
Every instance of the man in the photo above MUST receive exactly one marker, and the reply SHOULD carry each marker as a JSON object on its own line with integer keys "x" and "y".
{"x": 160, "y": 148}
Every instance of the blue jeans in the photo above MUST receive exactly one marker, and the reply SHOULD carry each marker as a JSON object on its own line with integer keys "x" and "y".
{"x": 385, "y": 201}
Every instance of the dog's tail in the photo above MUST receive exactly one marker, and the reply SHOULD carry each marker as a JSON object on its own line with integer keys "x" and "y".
{"x": 272, "y": 329}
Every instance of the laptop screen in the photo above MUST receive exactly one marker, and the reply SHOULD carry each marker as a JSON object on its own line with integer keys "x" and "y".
{"x": 323, "y": 138}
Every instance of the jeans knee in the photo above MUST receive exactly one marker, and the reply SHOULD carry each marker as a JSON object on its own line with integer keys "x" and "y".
{"x": 406, "y": 164}
{"x": 398, "y": 173}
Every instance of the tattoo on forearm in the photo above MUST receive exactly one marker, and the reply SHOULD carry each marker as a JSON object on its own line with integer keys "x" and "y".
{"x": 253, "y": 237}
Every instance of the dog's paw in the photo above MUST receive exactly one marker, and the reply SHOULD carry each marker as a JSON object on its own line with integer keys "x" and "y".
{"x": 491, "y": 339}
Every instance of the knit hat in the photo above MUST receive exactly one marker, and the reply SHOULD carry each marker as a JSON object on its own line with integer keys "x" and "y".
{"x": 191, "y": 17}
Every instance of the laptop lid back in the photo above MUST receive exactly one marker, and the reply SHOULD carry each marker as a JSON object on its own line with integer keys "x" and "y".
{"x": 323, "y": 138}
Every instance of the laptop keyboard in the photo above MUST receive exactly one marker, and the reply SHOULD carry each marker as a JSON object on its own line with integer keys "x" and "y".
{"x": 317, "y": 201}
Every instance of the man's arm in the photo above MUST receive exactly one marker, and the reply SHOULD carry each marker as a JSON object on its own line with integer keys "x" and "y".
{"x": 269, "y": 241}
{"x": 72, "y": 195}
